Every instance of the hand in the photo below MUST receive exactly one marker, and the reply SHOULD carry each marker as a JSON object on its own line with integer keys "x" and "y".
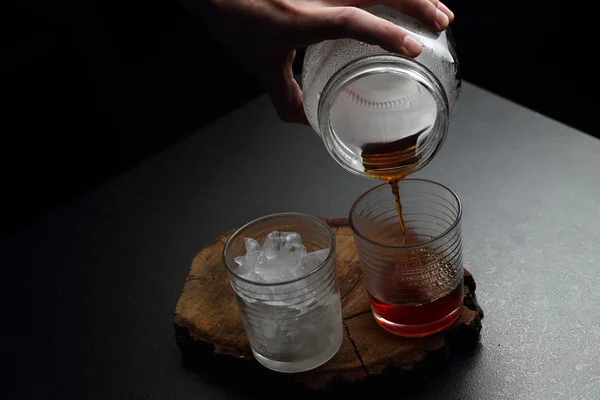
{"x": 266, "y": 33}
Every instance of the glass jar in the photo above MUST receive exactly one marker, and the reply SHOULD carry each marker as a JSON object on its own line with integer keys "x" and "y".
{"x": 382, "y": 115}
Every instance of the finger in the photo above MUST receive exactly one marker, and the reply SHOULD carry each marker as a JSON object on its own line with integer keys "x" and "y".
{"x": 354, "y": 23}
{"x": 278, "y": 80}
{"x": 443, "y": 8}
{"x": 425, "y": 11}
{"x": 431, "y": 12}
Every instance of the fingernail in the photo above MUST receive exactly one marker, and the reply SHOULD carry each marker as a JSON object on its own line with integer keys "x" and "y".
{"x": 441, "y": 20}
{"x": 411, "y": 45}
{"x": 442, "y": 7}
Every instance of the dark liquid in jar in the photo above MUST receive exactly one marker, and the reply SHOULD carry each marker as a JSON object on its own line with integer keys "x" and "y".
{"x": 390, "y": 162}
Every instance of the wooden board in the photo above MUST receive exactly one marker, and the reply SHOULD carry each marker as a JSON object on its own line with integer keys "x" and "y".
{"x": 207, "y": 317}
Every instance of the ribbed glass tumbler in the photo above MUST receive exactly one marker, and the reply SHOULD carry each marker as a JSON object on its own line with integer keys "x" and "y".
{"x": 415, "y": 286}
{"x": 294, "y": 325}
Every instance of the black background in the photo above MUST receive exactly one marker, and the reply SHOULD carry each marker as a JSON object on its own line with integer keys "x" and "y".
{"x": 94, "y": 87}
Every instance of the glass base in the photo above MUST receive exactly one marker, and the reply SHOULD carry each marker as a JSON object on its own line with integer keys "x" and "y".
{"x": 422, "y": 329}
{"x": 291, "y": 367}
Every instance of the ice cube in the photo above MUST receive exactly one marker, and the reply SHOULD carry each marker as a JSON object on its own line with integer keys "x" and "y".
{"x": 247, "y": 263}
{"x": 251, "y": 245}
{"x": 315, "y": 258}
{"x": 282, "y": 257}
{"x": 313, "y": 261}
{"x": 277, "y": 242}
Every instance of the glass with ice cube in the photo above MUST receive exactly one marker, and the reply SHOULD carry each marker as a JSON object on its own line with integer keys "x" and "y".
{"x": 282, "y": 269}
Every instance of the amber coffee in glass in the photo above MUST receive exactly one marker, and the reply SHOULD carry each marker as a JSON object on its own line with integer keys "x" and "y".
{"x": 415, "y": 283}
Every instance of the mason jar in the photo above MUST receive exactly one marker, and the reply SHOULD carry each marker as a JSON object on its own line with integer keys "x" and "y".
{"x": 382, "y": 115}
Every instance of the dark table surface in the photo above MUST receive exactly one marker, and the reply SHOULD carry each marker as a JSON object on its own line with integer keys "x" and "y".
{"x": 90, "y": 290}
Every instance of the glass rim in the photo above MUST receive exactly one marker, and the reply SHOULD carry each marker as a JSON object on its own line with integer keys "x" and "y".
{"x": 407, "y": 246}
{"x": 242, "y": 229}
{"x": 376, "y": 64}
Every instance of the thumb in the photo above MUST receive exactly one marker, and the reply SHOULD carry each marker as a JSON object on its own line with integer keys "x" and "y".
{"x": 277, "y": 78}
